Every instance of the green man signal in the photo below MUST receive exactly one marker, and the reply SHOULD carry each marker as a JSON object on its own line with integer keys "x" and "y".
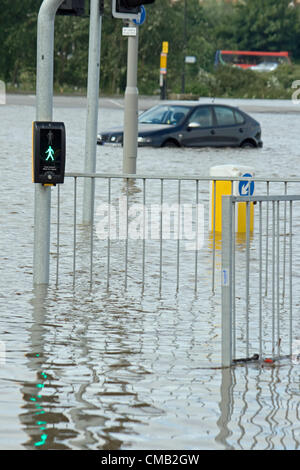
{"x": 49, "y": 152}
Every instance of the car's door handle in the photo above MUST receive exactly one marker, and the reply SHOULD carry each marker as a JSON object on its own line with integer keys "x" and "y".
{"x": 213, "y": 132}
{"x": 241, "y": 130}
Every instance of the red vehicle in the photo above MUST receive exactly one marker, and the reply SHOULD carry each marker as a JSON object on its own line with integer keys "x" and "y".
{"x": 265, "y": 61}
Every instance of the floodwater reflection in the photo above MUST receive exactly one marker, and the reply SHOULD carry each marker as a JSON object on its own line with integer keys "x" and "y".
{"x": 111, "y": 378}
{"x": 263, "y": 425}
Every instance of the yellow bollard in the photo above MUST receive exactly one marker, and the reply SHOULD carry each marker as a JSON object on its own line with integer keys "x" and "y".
{"x": 219, "y": 188}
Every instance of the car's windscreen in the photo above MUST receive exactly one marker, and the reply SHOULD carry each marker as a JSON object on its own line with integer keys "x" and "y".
{"x": 164, "y": 114}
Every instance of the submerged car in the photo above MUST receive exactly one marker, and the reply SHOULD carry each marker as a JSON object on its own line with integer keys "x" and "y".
{"x": 191, "y": 125}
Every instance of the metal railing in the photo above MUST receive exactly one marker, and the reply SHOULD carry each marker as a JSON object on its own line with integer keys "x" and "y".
{"x": 117, "y": 195}
{"x": 259, "y": 292}
{"x": 122, "y": 260}
{"x": 250, "y": 275}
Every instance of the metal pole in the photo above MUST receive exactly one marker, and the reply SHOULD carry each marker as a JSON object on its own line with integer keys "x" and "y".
{"x": 92, "y": 109}
{"x": 44, "y": 110}
{"x": 227, "y": 281}
{"x": 131, "y": 106}
{"x": 247, "y": 274}
{"x": 163, "y": 86}
{"x": 184, "y": 46}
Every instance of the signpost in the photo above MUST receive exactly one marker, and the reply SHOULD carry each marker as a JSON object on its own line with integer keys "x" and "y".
{"x": 142, "y": 17}
{"x": 134, "y": 12}
{"x": 131, "y": 105}
{"x": 49, "y": 156}
{"x": 49, "y": 159}
{"x": 246, "y": 188}
{"x": 44, "y": 111}
{"x": 190, "y": 59}
{"x": 163, "y": 70}
{"x": 129, "y": 31}
{"x": 245, "y": 213}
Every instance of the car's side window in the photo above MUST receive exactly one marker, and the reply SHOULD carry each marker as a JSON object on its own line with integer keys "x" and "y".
{"x": 225, "y": 116}
{"x": 156, "y": 115}
{"x": 202, "y": 116}
{"x": 239, "y": 117}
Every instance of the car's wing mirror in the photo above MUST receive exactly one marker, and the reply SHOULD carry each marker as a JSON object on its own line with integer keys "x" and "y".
{"x": 193, "y": 125}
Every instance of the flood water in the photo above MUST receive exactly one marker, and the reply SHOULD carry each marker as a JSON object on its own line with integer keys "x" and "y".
{"x": 82, "y": 369}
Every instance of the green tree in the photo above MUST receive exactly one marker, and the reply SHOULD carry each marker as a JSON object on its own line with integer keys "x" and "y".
{"x": 254, "y": 25}
{"x": 18, "y": 38}
{"x": 71, "y": 51}
{"x": 166, "y": 22}
{"x": 268, "y": 25}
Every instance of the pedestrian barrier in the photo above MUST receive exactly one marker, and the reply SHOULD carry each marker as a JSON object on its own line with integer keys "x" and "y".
{"x": 260, "y": 314}
{"x": 150, "y": 236}
{"x": 172, "y": 211}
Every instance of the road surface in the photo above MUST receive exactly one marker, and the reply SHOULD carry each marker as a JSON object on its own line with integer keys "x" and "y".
{"x": 257, "y": 106}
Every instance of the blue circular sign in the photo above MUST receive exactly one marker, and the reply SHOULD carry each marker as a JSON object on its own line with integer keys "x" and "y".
{"x": 246, "y": 188}
{"x": 142, "y": 17}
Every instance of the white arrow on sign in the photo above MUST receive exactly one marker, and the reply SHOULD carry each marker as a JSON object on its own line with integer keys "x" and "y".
{"x": 245, "y": 189}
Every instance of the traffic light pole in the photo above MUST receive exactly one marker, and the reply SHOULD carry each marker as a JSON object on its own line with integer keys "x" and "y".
{"x": 131, "y": 106}
{"x": 44, "y": 112}
{"x": 92, "y": 109}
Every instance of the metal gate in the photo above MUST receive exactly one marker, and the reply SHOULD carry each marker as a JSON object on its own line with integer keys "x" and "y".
{"x": 260, "y": 294}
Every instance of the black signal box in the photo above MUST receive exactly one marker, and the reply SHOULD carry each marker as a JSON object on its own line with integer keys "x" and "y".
{"x": 71, "y": 8}
{"x": 48, "y": 152}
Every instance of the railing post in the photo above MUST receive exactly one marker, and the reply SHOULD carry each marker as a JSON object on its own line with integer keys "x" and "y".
{"x": 227, "y": 212}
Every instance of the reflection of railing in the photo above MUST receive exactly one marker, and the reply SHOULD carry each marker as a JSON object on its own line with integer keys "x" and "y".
{"x": 258, "y": 301}
{"x": 91, "y": 258}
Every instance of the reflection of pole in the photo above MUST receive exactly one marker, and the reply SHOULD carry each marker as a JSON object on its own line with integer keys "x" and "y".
{"x": 36, "y": 418}
{"x": 92, "y": 109}
{"x": 131, "y": 106}
{"x": 44, "y": 109}
{"x": 226, "y": 406}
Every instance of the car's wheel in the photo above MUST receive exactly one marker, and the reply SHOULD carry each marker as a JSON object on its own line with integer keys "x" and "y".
{"x": 248, "y": 144}
{"x": 170, "y": 143}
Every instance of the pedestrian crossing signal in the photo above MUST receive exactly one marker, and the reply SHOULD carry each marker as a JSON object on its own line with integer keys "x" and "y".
{"x": 128, "y": 9}
{"x": 48, "y": 152}
{"x": 72, "y": 8}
